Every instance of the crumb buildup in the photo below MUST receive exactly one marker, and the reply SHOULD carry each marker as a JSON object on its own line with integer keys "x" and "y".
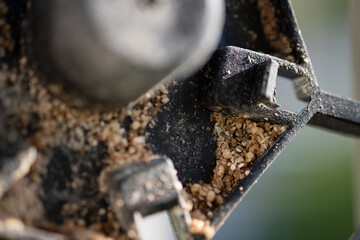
{"x": 5, "y": 34}
{"x": 240, "y": 143}
{"x": 278, "y": 41}
{"x": 49, "y": 123}
{"x": 202, "y": 227}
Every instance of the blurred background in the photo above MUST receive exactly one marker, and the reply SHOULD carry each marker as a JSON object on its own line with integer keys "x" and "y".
{"x": 308, "y": 192}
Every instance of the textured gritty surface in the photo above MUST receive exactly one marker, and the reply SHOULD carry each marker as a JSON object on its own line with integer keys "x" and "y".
{"x": 241, "y": 142}
{"x": 62, "y": 193}
{"x": 279, "y": 43}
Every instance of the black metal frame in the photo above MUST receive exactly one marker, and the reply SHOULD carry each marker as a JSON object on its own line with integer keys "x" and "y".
{"x": 243, "y": 92}
{"x": 239, "y": 79}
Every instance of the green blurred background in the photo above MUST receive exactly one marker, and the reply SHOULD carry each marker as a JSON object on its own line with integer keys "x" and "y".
{"x": 308, "y": 193}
